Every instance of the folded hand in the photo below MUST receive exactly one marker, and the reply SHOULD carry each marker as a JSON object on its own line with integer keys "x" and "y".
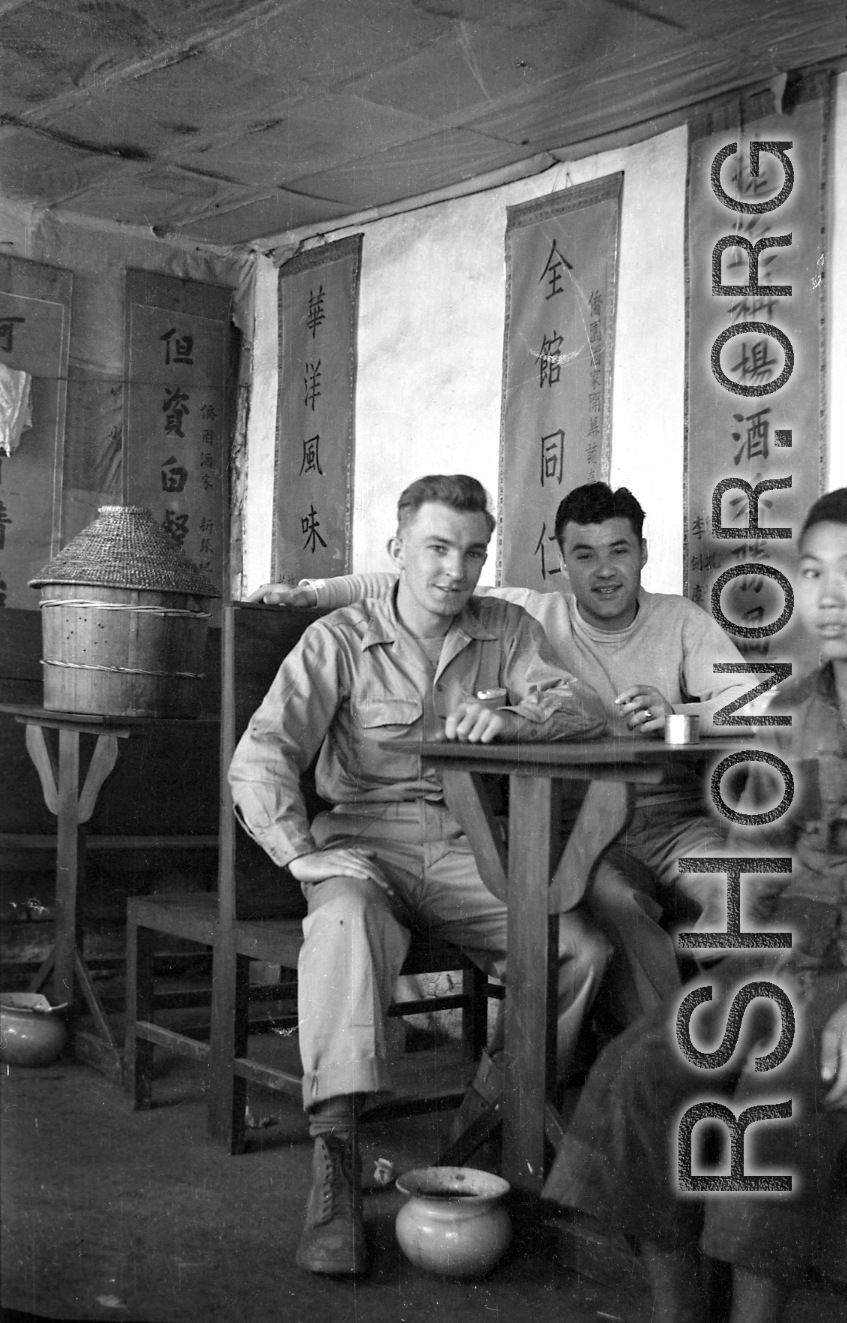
{"x": 342, "y": 862}
{"x": 474, "y": 723}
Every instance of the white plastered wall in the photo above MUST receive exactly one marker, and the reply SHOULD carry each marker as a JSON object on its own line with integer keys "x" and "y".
{"x": 430, "y": 347}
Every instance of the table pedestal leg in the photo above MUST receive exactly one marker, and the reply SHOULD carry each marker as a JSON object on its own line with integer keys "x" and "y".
{"x": 603, "y": 814}
{"x": 38, "y": 979}
{"x": 530, "y": 1027}
{"x": 67, "y": 866}
{"x": 60, "y": 783}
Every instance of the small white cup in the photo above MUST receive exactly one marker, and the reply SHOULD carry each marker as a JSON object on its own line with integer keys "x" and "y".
{"x": 682, "y": 729}
{"x": 493, "y": 698}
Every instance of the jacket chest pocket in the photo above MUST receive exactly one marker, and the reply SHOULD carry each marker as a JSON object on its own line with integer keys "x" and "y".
{"x": 379, "y": 716}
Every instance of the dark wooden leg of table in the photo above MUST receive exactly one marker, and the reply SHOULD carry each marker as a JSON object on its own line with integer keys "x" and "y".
{"x": 67, "y": 866}
{"x": 226, "y": 1119}
{"x": 140, "y": 1005}
{"x": 475, "y": 1011}
{"x": 468, "y": 801}
{"x": 603, "y": 814}
{"x": 60, "y": 784}
{"x": 531, "y": 980}
{"x": 44, "y": 972}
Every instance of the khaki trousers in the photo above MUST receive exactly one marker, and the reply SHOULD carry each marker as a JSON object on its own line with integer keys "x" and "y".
{"x": 356, "y": 938}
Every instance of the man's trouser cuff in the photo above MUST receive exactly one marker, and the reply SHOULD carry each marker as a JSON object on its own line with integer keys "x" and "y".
{"x": 370, "y": 1076}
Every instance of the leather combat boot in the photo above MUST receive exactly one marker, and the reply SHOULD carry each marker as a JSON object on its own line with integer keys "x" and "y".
{"x": 333, "y": 1239}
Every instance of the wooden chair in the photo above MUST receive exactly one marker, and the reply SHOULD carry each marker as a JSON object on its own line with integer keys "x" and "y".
{"x": 256, "y": 916}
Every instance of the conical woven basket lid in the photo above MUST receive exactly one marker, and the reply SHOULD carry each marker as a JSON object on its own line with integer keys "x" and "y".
{"x": 125, "y": 548}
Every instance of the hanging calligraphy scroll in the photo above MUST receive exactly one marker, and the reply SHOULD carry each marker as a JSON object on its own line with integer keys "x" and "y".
{"x": 35, "y": 316}
{"x": 176, "y": 404}
{"x": 755, "y": 405}
{"x": 561, "y": 260}
{"x": 313, "y": 485}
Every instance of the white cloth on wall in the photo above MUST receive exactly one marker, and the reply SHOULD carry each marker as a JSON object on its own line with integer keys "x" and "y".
{"x": 15, "y": 407}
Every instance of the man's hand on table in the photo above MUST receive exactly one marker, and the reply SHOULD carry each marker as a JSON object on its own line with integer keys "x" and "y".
{"x": 834, "y": 1058}
{"x": 281, "y": 594}
{"x": 341, "y": 862}
{"x": 474, "y": 723}
{"x": 644, "y": 707}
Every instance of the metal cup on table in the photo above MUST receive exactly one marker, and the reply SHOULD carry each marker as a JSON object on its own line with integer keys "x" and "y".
{"x": 493, "y": 698}
{"x": 682, "y": 729}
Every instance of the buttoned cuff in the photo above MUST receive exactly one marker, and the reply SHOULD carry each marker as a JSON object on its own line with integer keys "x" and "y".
{"x": 284, "y": 850}
{"x": 281, "y": 846}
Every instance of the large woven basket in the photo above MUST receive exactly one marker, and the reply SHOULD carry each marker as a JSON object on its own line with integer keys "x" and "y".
{"x": 124, "y": 620}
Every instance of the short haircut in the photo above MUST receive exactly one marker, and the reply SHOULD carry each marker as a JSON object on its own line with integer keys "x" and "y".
{"x": 594, "y": 503}
{"x": 830, "y": 508}
{"x": 454, "y": 489}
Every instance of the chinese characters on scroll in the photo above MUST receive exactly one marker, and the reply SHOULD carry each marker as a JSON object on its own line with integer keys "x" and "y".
{"x": 561, "y": 253}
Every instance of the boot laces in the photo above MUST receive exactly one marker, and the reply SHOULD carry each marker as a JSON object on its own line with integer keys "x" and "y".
{"x": 337, "y": 1194}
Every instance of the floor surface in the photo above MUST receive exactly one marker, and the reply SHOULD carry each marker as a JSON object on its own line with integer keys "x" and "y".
{"x": 136, "y": 1217}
